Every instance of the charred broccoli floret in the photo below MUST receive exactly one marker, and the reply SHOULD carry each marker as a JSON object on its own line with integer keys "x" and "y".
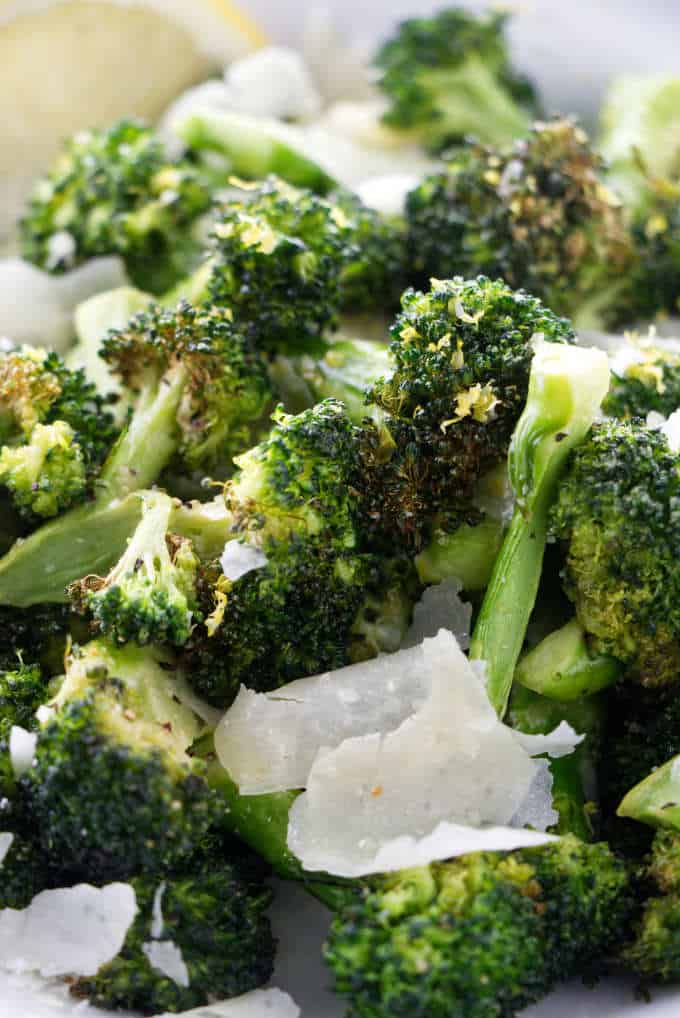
{"x": 114, "y": 191}
{"x": 209, "y": 919}
{"x": 617, "y": 512}
{"x": 112, "y": 789}
{"x": 315, "y": 596}
{"x": 653, "y": 952}
{"x": 150, "y": 594}
{"x": 22, "y": 691}
{"x": 278, "y": 255}
{"x": 479, "y": 936}
{"x": 462, "y": 356}
{"x": 55, "y": 432}
{"x": 450, "y": 75}
{"x": 537, "y": 214}
{"x": 648, "y": 381}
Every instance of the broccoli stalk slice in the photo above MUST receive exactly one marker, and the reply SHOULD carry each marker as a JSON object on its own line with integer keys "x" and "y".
{"x": 561, "y": 666}
{"x": 566, "y": 387}
{"x": 251, "y": 150}
{"x": 467, "y": 554}
{"x": 343, "y": 368}
{"x": 655, "y": 800}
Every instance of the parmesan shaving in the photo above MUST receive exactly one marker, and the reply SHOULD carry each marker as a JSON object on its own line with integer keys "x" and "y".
{"x": 239, "y": 558}
{"x": 270, "y": 1003}
{"x": 21, "y": 749}
{"x": 441, "y": 607}
{"x": 6, "y": 839}
{"x": 166, "y": 957}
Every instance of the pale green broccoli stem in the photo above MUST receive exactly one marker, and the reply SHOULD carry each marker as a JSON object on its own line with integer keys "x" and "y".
{"x": 252, "y": 150}
{"x": 147, "y": 557}
{"x": 561, "y": 667}
{"x": 655, "y": 801}
{"x": 93, "y": 319}
{"x": 467, "y": 554}
{"x": 195, "y": 288}
{"x": 471, "y": 101}
{"x": 342, "y": 367}
{"x": 566, "y": 387}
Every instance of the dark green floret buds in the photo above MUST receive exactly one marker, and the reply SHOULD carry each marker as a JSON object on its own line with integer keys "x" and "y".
{"x": 649, "y": 383}
{"x": 617, "y": 511}
{"x": 449, "y": 76}
{"x": 115, "y": 192}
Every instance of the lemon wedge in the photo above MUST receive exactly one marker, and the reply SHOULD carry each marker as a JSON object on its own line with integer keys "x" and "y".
{"x": 69, "y": 64}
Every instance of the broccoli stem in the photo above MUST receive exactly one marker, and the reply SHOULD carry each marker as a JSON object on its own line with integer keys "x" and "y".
{"x": 566, "y": 387}
{"x": 562, "y": 668}
{"x": 655, "y": 800}
{"x": 251, "y": 150}
{"x": 467, "y": 554}
{"x": 342, "y": 368}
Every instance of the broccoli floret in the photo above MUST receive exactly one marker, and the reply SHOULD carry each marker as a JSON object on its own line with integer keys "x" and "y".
{"x": 112, "y": 789}
{"x": 479, "y": 936}
{"x": 200, "y": 392}
{"x": 114, "y": 191}
{"x": 374, "y": 275}
{"x": 150, "y": 594}
{"x": 566, "y": 387}
{"x": 22, "y": 691}
{"x": 537, "y": 215}
{"x": 278, "y": 254}
{"x": 37, "y": 635}
{"x": 55, "y": 432}
{"x": 653, "y": 952}
{"x": 319, "y": 598}
{"x": 211, "y": 917}
{"x": 617, "y": 513}
{"x": 649, "y": 383}
{"x": 462, "y": 356}
{"x": 450, "y": 75}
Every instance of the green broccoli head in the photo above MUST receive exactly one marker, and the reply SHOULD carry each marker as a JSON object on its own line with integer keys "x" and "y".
{"x": 150, "y": 594}
{"x": 213, "y": 918}
{"x": 462, "y": 355}
{"x": 112, "y": 788}
{"x": 310, "y": 608}
{"x": 479, "y": 936}
{"x": 373, "y": 277}
{"x": 55, "y": 432}
{"x": 114, "y": 191}
{"x": 651, "y": 382}
{"x": 22, "y": 690}
{"x": 279, "y": 256}
{"x": 617, "y": 512}
{"x": 221, "y": 388}
{"x": 654, "y": 949}
{"x": 537, "y": 214}
{"x": 449, "y": 76}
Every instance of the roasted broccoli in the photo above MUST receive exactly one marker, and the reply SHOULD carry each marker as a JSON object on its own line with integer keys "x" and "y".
{"x": 150, "y": 594}
{"x": 653, "y": 952}
{"x": 448, "y": 76}
{"x": 312, "y": 595}
{"x": 462, "y": 356}
{"x": 114, "y": 191}
{"x": 55, "y": 432}
{"x": 200, "y": 392}
{"x": 200, "y": 934}
{"x": 374, "y": 276}
{"x": 616, "y": 511}
{"x": 277, "y": 258}
{"x": 536, "y": 214}
{"x": 112, "y": 790}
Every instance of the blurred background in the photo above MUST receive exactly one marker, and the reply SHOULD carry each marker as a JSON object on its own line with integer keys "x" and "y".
{"x": 67, "y": 64}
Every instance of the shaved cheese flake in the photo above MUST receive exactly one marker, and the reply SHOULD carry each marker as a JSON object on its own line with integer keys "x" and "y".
{"x": 446, "y": 842}
{"x": 387, "y": 193}
{"x": 166, "y": 957}
{"x": 560, "y": 742}
{"x": 441, "y": 607}
{"x": 671, "y": 430}
{"x": 21, "y": 749}
{"x": 6, "y": 839}
{"x": 537, "y": 809}
{"x": 268, "y": 741}
{"x": 67, "y": 931}
{"x": 239, "y": 558}
{"x": 156, "y": 929}
{"x": 451, "y": 761}
{"x": 270, "y": 1003}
